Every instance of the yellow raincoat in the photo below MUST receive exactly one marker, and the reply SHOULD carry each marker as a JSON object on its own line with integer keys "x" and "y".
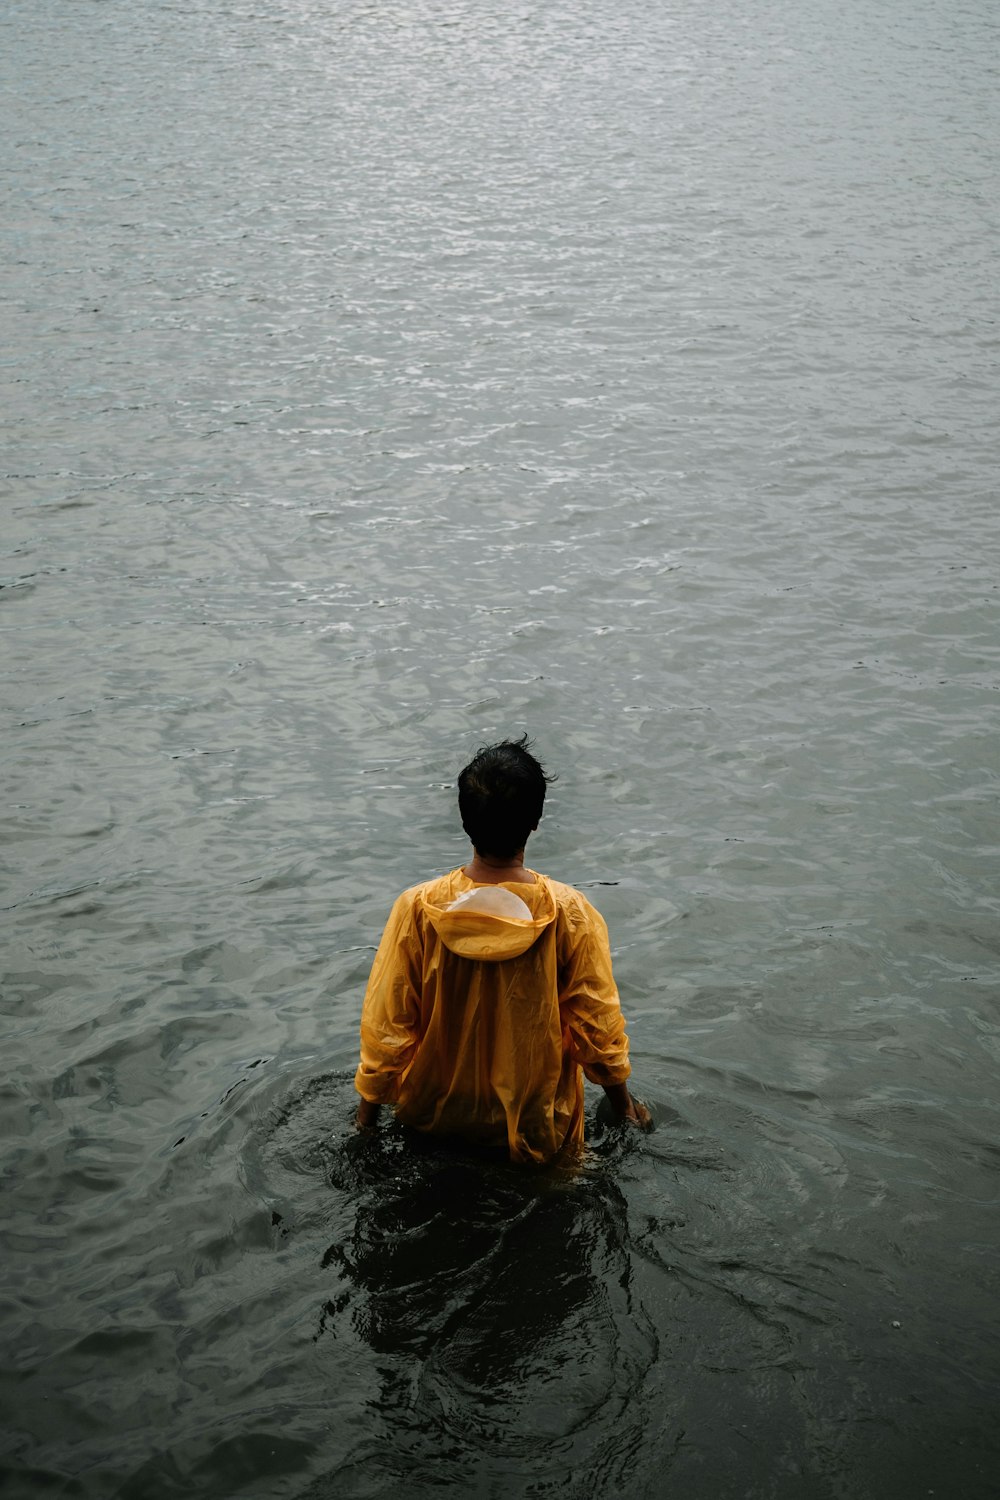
{"x": 476, "y": 1023}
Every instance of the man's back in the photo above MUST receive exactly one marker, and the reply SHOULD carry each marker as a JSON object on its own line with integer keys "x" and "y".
{"x": 476, "y": 1022}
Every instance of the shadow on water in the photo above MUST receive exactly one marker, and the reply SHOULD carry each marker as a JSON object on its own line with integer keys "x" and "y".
{"x": 485, "y": 1315}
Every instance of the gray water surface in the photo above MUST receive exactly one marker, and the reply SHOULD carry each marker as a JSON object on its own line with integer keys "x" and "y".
{"x": 379, "y": 381}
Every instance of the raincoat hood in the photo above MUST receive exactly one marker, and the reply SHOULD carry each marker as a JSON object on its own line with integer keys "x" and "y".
{"x": 490, "y": 922}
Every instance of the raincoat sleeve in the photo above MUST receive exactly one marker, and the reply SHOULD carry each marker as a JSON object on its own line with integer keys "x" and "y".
{"x": 593, "y": 1025}
{"x": 390, "y": 1015}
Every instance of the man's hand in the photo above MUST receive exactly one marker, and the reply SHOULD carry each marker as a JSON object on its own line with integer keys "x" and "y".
{"x": 639, "y": 1115}
{"x": 367, "y": 1115}
{"x": 627, "y": 1108}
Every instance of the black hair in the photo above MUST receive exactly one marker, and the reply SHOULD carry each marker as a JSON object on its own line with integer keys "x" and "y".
{"x": 500, "y": 796}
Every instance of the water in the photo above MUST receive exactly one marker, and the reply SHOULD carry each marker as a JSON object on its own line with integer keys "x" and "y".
{"x": 381, "y": 381}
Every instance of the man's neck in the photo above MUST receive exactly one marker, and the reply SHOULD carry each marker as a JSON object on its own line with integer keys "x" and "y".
{"x": 488, "y": 869}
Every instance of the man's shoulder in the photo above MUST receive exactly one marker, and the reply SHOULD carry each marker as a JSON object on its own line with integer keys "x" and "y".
{"x": 566, "y": 895}
{"x": 571, "y": 903}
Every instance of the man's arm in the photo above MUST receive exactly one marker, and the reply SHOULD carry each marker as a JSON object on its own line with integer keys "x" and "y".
{"x": 592, "y": 1012}
{"x": 390, "y": 1020}
{"x": 588, "y": 1001}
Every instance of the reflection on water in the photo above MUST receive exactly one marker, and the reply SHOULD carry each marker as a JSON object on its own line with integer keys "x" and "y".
{"x": 502, "y": 1311}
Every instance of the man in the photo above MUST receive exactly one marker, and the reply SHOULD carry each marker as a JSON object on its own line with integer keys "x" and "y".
{"x": 492, "y": 988}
